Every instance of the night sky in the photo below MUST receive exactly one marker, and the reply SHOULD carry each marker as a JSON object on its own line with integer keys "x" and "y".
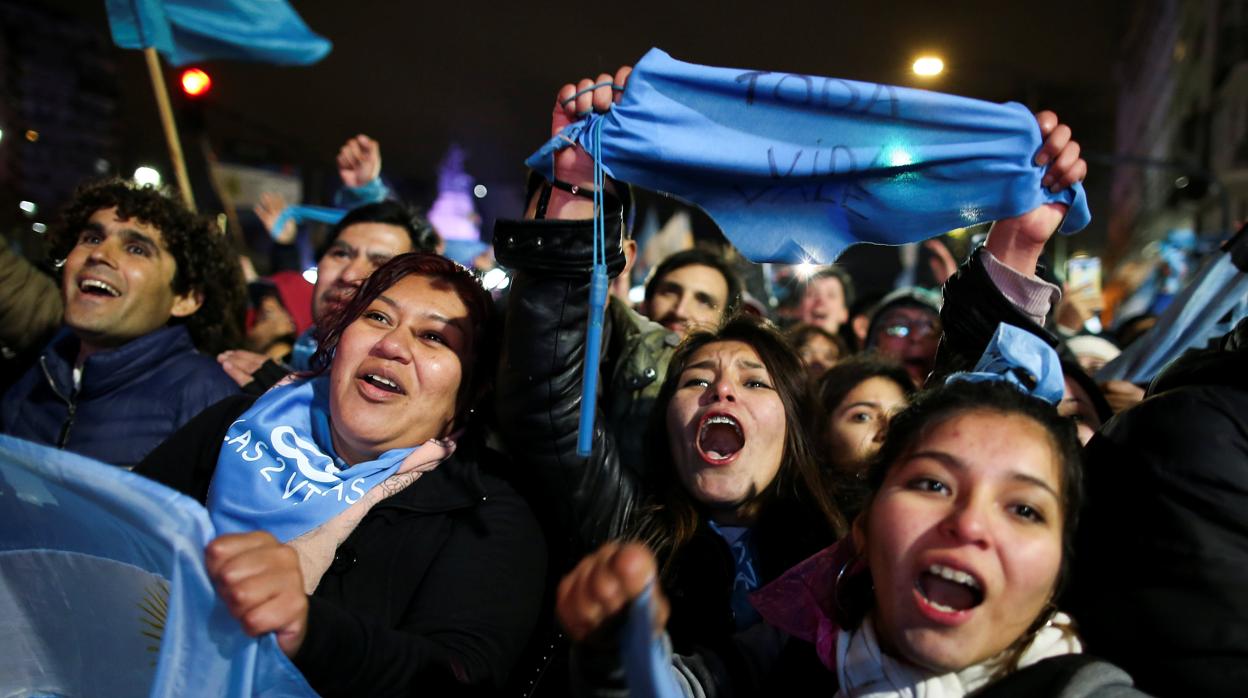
{"x": 419, "y": 75}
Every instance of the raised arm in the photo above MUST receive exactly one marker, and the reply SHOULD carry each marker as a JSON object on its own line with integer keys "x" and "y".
{"x": 540, "y": 374}
{"x": 998, "y": 283}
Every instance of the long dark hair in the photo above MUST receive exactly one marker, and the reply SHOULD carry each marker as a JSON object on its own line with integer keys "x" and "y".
{"x": 842, "y": 378}
{"x": 672, "y": 515}
{"x": 939, "y": 404}
{"x": 483, "y": 344}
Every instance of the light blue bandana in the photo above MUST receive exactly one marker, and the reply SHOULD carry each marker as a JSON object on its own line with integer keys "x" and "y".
{"x": 1020, "y": 358}
{"x": 278, "y": 471}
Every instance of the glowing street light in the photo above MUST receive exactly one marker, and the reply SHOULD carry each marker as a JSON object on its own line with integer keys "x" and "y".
{"x": 928, "y": 66}
{"x": 195, "y": 82}
{"x": 147, "y": 176}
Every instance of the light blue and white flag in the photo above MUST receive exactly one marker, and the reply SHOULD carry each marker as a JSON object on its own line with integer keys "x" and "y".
{"x": 103, "y": 590}
{"x": 795, "y": 168}
{"x": 189, "y": 31}
{"x": 1211, "y": 305}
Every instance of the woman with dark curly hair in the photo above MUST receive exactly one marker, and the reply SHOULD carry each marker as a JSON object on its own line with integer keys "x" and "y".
{"x": 364, "y": 520}
{"x": 144, "y": 284}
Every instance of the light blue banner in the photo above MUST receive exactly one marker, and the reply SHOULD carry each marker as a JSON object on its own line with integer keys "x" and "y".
{"x": 103, "y": 590}
{"x": 796, "y": 168}
{"x": 190, "y": 31}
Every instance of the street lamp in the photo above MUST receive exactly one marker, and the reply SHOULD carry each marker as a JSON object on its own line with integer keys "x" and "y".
{"x": 147, "y": 177}
{"x": 928, "y": 66}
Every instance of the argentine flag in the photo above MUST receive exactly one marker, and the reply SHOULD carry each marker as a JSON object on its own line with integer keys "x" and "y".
{"x": 103, "y": 590}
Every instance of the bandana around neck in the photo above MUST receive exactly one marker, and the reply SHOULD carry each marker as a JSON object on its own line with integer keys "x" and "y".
{"x": 863, "y": 670}
{"x": 278, "y": 471}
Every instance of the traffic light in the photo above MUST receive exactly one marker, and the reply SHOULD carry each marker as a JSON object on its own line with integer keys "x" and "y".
{"x": 195, "y": 82}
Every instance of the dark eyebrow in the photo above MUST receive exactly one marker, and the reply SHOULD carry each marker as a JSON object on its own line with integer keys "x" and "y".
{"x": 93, "y": 227}
{"x": 707, "y": 364}
{"x": 862, "y": 403}
{"x": 954, "y": 463}
{"x": 666, "y": 285}
{"x": 706, "y": 299}
{"x": 342, "y": 245}
{"x": 457, "y": 323}
{"x": 133, "y": 235}
{"x": 750, "y": 363}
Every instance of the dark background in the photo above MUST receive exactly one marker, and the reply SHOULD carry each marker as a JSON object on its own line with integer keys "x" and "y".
{"x": 418, "y": 76}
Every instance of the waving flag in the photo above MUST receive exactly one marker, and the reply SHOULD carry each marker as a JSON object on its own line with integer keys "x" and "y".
{"x": 795, "y": 168}
{"x": 103, "y": 590}
{"x": 1209, "y": 307}
{"x": 188, "y": 31}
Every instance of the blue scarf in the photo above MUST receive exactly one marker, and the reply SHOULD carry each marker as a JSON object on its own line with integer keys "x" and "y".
{"x": 795, "y": 168}
{"x": 278, "y": 472}
{"x": 1023, "y": 360}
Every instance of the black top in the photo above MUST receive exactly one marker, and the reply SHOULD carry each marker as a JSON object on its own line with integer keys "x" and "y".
{"x": 413, "y": 600}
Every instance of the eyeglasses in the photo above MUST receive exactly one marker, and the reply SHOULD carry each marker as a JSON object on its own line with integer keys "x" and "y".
{"x": 910, "y": 328}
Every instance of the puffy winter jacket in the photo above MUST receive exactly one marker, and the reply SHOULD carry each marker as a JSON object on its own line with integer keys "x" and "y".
{"x": 130, "y": 399}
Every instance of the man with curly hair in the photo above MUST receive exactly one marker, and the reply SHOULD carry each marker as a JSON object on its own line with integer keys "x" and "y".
{"x": 151, "y": 292}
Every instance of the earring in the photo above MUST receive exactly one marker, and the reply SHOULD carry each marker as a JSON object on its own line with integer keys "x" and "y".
{"x": 841, "y": 576}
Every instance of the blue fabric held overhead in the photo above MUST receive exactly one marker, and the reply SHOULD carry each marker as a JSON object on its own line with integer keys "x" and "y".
{"x": 1209, "y": 307}
{"x": 463, "y": 252}
{"x": 1022, "y": 359}
{"x": 189, "y": 31}
{"x": 103, "y": 589}
{"x": 796, "y": 168}
{"x": 300, "y": 213}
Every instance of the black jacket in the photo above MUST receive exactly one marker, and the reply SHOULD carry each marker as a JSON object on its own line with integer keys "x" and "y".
{"x": 1160, "y": 581}
{"x": 597, "y": 497}
{"x": 435, "y": 592}
{"x": 972, "y": 310}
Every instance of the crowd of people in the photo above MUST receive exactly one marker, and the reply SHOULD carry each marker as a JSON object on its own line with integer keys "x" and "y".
{"x": 866, "y": 501}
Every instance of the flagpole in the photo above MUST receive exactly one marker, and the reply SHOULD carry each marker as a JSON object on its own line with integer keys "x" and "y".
{"x": 171, "y": 129}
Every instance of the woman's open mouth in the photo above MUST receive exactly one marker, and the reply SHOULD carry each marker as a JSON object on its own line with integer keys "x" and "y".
{"x": 376, "y": 384}
{"x": 948, "y": 592}
{"x": 720, "y": 438}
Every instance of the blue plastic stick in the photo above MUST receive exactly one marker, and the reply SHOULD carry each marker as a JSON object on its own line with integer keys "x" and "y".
{"x": 597, "y": 304}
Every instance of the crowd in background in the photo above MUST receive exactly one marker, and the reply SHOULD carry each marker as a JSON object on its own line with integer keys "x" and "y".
{"x": 954, "y": 535}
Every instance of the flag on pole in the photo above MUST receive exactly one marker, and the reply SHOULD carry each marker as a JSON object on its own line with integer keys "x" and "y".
{"x": 795, "y": 168}
{"x": 189, "y": 31}
{"x": 103, "y": 589}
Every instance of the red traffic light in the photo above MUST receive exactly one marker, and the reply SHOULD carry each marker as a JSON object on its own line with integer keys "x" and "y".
{"x": 195, "y": 82}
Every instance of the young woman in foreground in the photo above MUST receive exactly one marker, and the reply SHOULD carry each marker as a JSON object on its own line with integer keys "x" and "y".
{"x": 945, "y": 587}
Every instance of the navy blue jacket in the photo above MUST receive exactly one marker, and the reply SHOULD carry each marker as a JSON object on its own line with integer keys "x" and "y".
{"x": 131, "y": 398}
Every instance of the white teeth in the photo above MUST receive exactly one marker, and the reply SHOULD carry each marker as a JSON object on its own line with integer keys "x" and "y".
{"x": 723, "y": 419}
{"x": 940, "y": 606}
{"x": 93, "y": 283}
{"x": 384, "y": 381}
{"x": 954, "y": 575}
